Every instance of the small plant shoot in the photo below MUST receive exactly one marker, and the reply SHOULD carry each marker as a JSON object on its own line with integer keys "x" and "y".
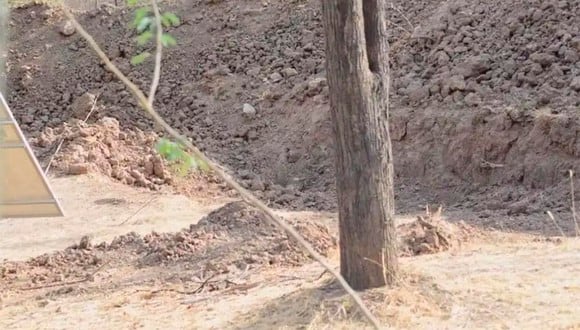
{"x": 181, "y": 160}
{"x": 145, "y": 25}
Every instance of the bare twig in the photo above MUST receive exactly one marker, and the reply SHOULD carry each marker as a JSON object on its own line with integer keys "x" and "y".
{"x": 402, "y": 15}
{"x": 487, "y": 164}
{"x": 573, "y": 206}
{"x": 245, "y": 195}
{"x": 551, "y": 216}
{"x": 62, "y": 139}
{"x": 147, "y": 203}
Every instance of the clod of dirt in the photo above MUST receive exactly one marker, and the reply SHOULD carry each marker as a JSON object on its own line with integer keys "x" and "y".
{"x": 82, "y": 105}
{"x": 103, "y": 148}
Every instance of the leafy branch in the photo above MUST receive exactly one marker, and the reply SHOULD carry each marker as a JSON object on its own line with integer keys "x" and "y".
{"x": 147, "y": 105}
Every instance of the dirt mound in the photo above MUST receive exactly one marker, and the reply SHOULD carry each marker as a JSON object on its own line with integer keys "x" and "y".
{"x": 249, "y": 90}
{"x": 232, "y": 235}
{"x": 230, "y": 239}
{"x": 430, "y": 234}
{"x": 473, "y": 52}
{"x": 128, "y": 156}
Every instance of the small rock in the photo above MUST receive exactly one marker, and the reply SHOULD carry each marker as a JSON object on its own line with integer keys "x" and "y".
{"x": 276, "y": 77}
{"x": 417, "y": 93}
{"x": 47, "y": 14}
{"x": 442, "y": 58}
{"x": 148, "y": 168}
{"x": 253, "y": 71}
{"x": 252, "y": 135}
{"x": 474, "y": 66}
{"x": 289, "y": 72}
{"x": 82, "y": 105}
{"x": 317, "y": 83}
{"x": 543, "y": 59}
{"x": 575, "y": 84}
{"x": 136, "y": 174}
{"x": 67, "y": 29}
{"x": 85, "y": 243}
{"x": 78, "y": 168}
{"x": 472, "y": 100}
{"x": 159, "y": 168}
{"x": 248, "y": 110}
{"x": 27, "y": 119}
{"x": 456, "y": 83}
{"x": 293, "y": 156}
{"x": 257, "y": 185}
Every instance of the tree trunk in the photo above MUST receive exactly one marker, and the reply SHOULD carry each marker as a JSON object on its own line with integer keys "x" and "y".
{"x": 358, "y": 77}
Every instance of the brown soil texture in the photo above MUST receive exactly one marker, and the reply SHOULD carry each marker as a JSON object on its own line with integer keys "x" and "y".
{"x": 127, "y": 156}
{"x": 231, "y": 239}
{"x": 484, "y": 106}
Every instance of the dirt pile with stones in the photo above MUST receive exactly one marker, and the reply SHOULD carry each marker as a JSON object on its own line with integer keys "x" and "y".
{"x": 128, "y": 156}
{"x": 472, "y": 52}
{"x": 428, "y": 235}
{"x": 232, "y": 239}
{"x": 484, "y": 93}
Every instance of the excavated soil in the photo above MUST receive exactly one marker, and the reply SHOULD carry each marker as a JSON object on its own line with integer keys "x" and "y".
{"x": 484, "y": 106}
{"x": 231, "y": 239}
{"x": 101, "y": 147}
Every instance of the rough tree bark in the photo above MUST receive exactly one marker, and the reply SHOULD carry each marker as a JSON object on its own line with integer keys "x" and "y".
{"x": 357, "y": 60}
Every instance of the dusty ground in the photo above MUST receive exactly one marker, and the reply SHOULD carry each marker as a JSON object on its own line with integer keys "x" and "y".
{"x": 491, "y": 280}
{"x": 484, "y": 120}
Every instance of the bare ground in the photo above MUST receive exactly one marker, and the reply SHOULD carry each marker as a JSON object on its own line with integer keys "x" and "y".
{"x": 484, "y": 120}
{"x": 493, "y": 280}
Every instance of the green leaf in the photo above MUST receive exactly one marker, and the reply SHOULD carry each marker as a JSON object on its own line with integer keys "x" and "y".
{"x": 145, "y": 23}
{"x": 167, "y": 40}
{"x": 163, "y": 146}
{"x": 171, "y": 18}
{"x": 138, "y": 59}
{"x": 132, "y": 3}
{"x": 139, "y": 15}
{"x": 144, "y": 37}
{"x": 165, "y": 21}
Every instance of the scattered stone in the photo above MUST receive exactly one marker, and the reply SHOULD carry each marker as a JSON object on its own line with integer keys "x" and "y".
{"x": 575, "y": 84}
{"x": 248, "y": 110}
{"x": 78, "y": 169}
{"x": 317, "y": 84}
{"x": 85, "y": 243}
{"x": 543, "y": 59}
{"x": 472, "y": 99}
{"x": 418, "y": 93}
{"x": 456, "y": 83}
{"x": 289, "y": 72}
{"x": 276, "y": 77}
{"x": 474, "y": 66}
{"x": 47, "y": 14}
{"x": 82, "y": 105}
{"x": 67, "y": 29}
